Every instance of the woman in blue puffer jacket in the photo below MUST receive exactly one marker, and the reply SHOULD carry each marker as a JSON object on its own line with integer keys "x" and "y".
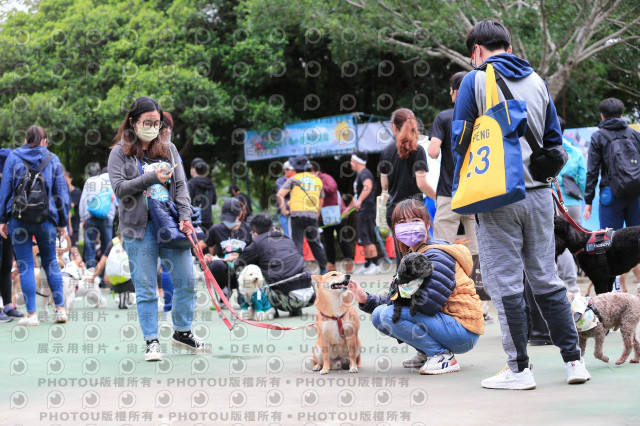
{"x": 449, "y": 315}
{"x": 32, "y": 154}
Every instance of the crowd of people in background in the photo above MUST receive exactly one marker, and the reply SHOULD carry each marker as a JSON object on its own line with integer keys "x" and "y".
{"x": 508, "y": 245}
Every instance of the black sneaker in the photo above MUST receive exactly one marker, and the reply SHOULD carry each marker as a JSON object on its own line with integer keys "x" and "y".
{"x": 186, "y": 340}
{"x": 153, "y": 353}
{"x": 14, "y": 312}
{"x": 295, "y": 313}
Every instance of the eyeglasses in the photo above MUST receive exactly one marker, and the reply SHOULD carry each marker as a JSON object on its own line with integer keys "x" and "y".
{"x": 148, "y": 124}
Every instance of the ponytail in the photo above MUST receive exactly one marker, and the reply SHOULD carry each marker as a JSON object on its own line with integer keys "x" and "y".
{"x": 406, "y": 132}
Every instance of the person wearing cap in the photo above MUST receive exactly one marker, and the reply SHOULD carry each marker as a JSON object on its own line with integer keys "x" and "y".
{"x": 364, "y": 190}
{"x": 227, "y": 240}
{"x": 305, "y": 203}
{"x": 234, "y": 191}
{"x": 202, "y": 191}
{"x": 287, "y": 173}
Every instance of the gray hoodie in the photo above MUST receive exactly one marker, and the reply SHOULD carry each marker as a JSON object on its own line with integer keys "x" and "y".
{"x": 129, "y": 185}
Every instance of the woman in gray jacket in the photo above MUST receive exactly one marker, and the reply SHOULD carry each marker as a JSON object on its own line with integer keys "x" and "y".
{"x": 143, "y": 164}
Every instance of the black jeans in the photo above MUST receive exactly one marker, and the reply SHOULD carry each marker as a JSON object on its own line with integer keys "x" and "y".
{"x": 6, "y": 257}
{"x": 302, "y": 227}
{"x": 330, "y": 245}
{"x": 225, "y": 277}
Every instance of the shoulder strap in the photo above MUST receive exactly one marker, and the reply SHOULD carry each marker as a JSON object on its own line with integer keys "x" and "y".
{"x": 45, "y": 162}
{"x": 528, "y": 134}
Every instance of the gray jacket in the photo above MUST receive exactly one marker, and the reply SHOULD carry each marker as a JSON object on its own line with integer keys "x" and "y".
{"x": 129, "y": 185}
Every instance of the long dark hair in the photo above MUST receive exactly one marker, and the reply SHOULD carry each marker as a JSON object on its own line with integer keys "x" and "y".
{"x": 35, "y": 135}
{"x": 126, "y": 133}
{"x": 409, "y": 209}
{"x": 406, "y": 131}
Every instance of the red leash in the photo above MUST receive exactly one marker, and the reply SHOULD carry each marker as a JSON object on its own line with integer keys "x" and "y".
{"x": 560, "y": 203}
{"x": 213, "y": 284}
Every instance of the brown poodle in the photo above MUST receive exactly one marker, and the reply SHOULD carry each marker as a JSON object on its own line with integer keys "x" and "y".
{"x": 617, "y": 311}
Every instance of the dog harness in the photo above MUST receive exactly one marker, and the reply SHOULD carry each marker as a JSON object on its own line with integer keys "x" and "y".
{"x": 598, "y": 244}
{"x": 339, "y": 319}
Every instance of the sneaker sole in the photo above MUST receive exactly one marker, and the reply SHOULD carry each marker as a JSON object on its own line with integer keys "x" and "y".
{"x": 205, "y": 350}
{"x": 577, "y": 380}
{"x": 435, "y": 373}
{"x": 29, "y": 324}
{"x": 413, "y": 365}
{"x": 61, "y": 321}
{"x": 507, "y": 387}
{"x": 153, "y": 357}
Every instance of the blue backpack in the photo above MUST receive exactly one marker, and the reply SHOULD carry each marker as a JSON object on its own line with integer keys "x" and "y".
{"x": 100, "y": 204}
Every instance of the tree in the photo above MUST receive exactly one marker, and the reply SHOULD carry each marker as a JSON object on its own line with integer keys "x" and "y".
{"x": 557, "y": 37}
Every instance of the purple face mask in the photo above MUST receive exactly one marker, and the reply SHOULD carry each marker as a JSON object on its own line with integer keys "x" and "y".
{"x": 411, "y": 233}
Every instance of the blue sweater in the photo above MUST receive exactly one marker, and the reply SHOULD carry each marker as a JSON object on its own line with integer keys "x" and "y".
{"x": 14, "y": 170}
{"x": 435, "y": 290}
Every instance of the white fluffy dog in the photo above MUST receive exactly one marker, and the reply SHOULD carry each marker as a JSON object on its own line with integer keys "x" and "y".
{"x": 90, "y": 291}
{"x": 253, "y": 301}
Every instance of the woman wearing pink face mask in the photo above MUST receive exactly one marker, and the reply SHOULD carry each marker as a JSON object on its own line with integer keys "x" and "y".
{"x": 449, "y": 318}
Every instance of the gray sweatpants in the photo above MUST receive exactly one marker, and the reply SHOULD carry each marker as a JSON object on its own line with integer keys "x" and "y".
{"x": 517, "y": 238}
{"x": 566, "y": 265}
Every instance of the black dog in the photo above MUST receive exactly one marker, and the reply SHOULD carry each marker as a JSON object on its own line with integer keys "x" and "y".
{"x": 622, "y": 256}
{"x": 412, "y": 266}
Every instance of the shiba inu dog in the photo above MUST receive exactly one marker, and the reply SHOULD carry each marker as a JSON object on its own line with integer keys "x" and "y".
{"x": 337, "y": 324}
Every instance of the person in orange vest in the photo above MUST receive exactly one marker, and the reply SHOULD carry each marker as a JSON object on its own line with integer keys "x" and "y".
{"x": 306, "y": 199}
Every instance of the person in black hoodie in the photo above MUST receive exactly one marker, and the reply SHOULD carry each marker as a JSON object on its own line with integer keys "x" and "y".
{"x": 202, "y": 191}
{"x": 615, "y": 211}
{"x": 279, "y": 260}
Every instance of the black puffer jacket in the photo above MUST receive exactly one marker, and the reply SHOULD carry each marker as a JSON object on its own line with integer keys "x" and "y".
{"x": 598, "y": 158}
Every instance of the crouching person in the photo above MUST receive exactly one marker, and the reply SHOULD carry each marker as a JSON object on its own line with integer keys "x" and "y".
{"x": 287, "y": 281}
{"x": 448, "y": 313}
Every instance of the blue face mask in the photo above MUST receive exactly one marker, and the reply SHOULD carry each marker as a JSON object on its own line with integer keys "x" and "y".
{"x": 231, "y": 224}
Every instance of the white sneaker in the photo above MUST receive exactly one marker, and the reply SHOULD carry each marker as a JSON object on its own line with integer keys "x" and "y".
{"x": 60, "y": 315}
{"x": 360, "y": 270}
{"x": 154, "y": 352}
{"x": 440, "y": 364}
{"x": 507, "y": 379}
{"x": 415, "y": 361}
{"x": 166, "y": 320}
{"x": 576, "y": 372}
{"x": 373, "y": 269}
{"x": 29, "y": 320}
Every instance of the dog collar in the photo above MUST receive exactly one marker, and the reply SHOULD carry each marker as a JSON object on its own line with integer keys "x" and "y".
{"x": 591, "y": 306}
{"x": 339, "y": 319}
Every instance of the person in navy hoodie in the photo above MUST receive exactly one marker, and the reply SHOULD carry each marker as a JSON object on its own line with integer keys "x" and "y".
{"x": 518, "y": 239}
{"x": 34, "y": 152}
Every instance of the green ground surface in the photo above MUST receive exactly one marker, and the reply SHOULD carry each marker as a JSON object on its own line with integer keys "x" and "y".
{"x": 91, "y": 371}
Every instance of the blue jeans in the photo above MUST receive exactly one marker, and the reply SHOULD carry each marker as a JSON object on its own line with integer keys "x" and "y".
{"x": 620, "y": 212}
{"x": 94, "y": 227}
{"x": 284, "y": 222}
{"x": 143, "y": 261}
{"x": 21, "y": 236}
{"x": 432, "y": 336}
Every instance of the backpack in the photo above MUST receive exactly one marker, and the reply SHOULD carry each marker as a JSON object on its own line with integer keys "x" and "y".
{"x": 31, "y": 196}
{"x": 624, "y": 165}
{"x": 100, "y": 204}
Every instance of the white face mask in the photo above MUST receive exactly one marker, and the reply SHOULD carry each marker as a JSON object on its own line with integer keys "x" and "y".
{"x": 147, "y": 134}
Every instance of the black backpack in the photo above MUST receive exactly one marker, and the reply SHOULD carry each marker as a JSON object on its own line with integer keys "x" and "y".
{"x": 624, "y": 164}
{"x": 31, "y": 197}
